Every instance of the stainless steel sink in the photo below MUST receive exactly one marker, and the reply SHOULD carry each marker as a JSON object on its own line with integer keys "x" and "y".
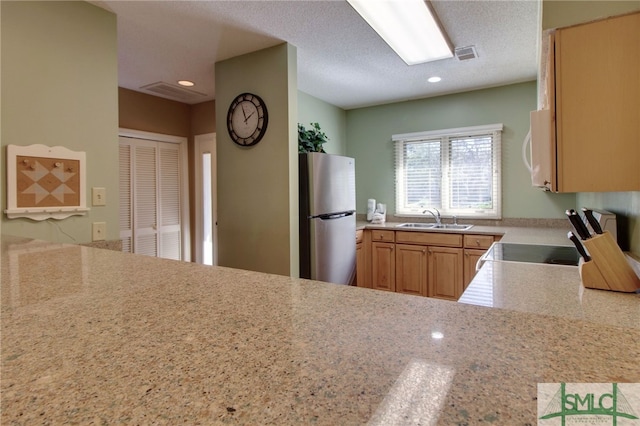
{"x": 417, "y": 225}
{"x": 456, "y": 227}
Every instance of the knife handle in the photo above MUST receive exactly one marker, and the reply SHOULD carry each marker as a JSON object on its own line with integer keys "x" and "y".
{"x": 595, "y": 225}
{"x": 579, "y": 246}
{"x": 578, "y": 224}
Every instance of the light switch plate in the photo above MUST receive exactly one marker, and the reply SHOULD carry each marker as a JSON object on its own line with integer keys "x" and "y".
{"x": 99, "y": 196}
{"x": 99, "y": 231}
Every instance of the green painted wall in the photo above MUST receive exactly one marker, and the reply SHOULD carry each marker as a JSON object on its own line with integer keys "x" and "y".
{"x": 625, "y": 204}
{"x": 60, "y": 87}
{"x": 557, "y": 13}
{"x": 332, "y": 120}
{"x": 258, "y": 185}
{"x": 369, "y": 132}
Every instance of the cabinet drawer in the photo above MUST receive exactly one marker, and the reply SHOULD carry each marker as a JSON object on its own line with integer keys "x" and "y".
{"x": 379, "y": 235}
{"x": 430, "y": 238}
{"x": 359, "y": 236}
{"x": 478, "y": 241}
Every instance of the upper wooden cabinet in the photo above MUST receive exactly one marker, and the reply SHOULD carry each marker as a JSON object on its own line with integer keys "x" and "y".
{"x": 593, "y": 94}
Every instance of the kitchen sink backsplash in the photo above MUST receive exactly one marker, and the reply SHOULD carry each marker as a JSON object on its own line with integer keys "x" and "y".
{"x": 509, "y": 222}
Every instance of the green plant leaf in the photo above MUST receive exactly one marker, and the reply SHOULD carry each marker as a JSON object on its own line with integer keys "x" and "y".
{"x": 311, "y": 140}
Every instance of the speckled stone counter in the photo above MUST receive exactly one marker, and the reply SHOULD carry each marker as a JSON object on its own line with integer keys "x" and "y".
{"x": 102, "y": 337}
{"x": 550, "y": 290}
{"x": 540, "y": 288}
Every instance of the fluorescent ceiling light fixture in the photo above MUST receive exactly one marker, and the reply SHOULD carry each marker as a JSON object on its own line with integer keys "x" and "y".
{"x": 434, "y": 79}
{"x": 410, "y": 27}
{"x": 186, "y": 83}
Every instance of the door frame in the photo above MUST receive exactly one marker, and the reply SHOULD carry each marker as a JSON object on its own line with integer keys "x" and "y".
{"x": 184, "y": 179}
{"x": 205, "y": 143}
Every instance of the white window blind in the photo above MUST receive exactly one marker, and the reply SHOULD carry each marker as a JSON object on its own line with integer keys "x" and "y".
{"x": 456, "y": 171}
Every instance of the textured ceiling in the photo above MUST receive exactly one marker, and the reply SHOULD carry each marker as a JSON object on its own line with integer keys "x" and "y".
{"x": 340, "y": 59}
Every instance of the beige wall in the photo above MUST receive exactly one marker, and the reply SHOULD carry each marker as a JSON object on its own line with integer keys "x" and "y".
{"x": 140, "y": 111}
{"x": 203, "y": 118}
{"x": 60, "y": 87}
{"x": 257, "y": 186}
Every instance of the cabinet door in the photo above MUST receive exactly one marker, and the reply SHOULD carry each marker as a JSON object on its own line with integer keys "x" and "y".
{"x": 445, "y": 272}
{"x": 411, "y": 269}
{"x": 360, "y": 265}
{"x": 598, "y": 105}
{"x": 383, "y": 265}
{"x": 471, "y": 257}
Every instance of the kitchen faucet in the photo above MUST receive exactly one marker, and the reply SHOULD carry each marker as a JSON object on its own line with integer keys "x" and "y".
{"x": 435, "y": 215}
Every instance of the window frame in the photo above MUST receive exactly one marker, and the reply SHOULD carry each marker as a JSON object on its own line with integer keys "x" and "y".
{"x": 445, "y": 136}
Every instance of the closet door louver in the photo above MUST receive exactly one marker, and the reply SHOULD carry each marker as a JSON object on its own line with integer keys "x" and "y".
{"x": 150, "y": 197}
{"x": 146, "y": 201}
{"x": 169, "y": 178}
{"x": 125, "y": 198}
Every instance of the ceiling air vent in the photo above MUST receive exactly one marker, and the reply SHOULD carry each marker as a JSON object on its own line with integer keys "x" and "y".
{"x": 466, "y": 53}
{"x": 170, "y": 91}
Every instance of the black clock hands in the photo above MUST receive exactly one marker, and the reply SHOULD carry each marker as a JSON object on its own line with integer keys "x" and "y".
{"x": 244, "y": 113}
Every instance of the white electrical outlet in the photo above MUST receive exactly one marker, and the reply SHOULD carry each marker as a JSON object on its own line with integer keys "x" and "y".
{"x": 99, "y": 196}
{"x": 99, "y": 231}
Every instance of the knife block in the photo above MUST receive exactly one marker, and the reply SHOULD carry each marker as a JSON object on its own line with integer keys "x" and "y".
{"x": 608, "y": 268}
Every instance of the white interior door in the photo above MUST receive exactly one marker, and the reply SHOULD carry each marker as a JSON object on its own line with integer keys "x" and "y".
{"x": 205, "y": 190}
{"x": 153, "y": 203}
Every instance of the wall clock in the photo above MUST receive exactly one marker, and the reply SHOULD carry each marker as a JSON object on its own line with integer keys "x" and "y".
{"x": 247, "y": 119}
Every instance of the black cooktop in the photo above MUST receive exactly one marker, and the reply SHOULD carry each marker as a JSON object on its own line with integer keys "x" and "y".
{"x": 534, "y": 253}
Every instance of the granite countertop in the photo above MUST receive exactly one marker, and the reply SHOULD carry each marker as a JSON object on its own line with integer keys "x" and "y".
{"x": 540, "y": 288}
{"x": 550, "y": 290}
{"x": 98, "y": 336}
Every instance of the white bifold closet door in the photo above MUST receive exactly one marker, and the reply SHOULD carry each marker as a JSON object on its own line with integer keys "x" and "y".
{"x": 150, "y": 196}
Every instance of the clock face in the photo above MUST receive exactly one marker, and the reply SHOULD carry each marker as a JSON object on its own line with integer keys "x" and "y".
{"x": 247, "y": 119}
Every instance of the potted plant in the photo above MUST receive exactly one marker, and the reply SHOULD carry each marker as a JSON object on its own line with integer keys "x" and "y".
{"x": 311, "y": 140}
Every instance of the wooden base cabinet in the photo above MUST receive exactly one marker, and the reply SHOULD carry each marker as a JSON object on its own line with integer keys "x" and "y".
{"x": 445, "y": 272}
{"x": 432, "y": 264}
{"x": 383, "y": 260}
{"x": 474, "y": 247}
{"x": 411, "y": 269}
{"x": 471, "y": 257}
{"x": 361, "y": 262}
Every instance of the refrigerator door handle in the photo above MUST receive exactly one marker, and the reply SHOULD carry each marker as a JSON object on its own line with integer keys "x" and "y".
{"x": 337, "y": 215}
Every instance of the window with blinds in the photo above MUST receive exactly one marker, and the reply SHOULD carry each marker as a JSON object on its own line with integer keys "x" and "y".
{"x": 456, "y": 171}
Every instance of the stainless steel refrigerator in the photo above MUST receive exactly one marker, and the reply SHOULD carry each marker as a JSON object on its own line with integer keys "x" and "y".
{"x": 327, "y": 217}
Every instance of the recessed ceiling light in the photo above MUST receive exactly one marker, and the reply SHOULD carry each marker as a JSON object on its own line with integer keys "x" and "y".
{"x": 186, "y": 83}
{"x": 437, "y": 335}
{"x": 410, "y": 27}
{"x": 434, "y": 79}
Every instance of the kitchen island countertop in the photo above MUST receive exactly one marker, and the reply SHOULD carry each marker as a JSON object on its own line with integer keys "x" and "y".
{"x": 91, "y": 335}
